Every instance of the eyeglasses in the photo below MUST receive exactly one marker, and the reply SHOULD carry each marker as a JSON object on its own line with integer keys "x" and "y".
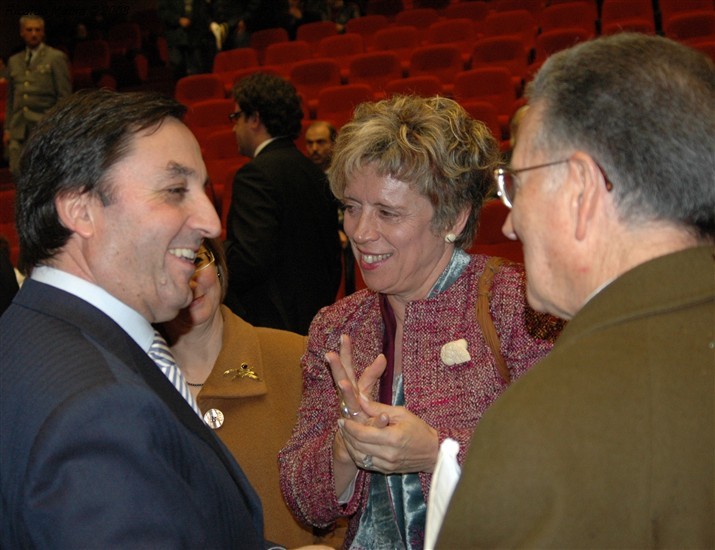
{"x": 204, "y": 258}
{"x": 233, "y": 117}
{"x": 507, "y": 179}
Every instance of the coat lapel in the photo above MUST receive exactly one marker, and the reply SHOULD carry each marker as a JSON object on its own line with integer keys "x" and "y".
{"x": 106, "y": 333}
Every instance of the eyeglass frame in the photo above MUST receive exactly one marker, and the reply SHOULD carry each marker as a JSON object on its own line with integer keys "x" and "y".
{"x": 233, "y": 117}
{"x": 205, "y": 252}
{"x": 501, "y": 174}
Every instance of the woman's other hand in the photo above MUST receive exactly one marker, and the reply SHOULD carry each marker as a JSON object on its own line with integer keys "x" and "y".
{"x": 406, "y": 444}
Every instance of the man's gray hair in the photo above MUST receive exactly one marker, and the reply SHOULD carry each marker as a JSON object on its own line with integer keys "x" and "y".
{"x": 644, "y": 108}
{"x": 31, "y": 17}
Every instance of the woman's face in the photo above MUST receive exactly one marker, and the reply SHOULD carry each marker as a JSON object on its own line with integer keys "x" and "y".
{"x": 389, "y": 226}
{"x": 206, "y": 288}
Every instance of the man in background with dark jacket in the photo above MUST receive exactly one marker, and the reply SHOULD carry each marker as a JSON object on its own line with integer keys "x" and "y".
{"x": 282, "y": 242}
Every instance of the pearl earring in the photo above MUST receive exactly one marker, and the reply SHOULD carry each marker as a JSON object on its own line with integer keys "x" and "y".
{"x": 450, "y": 238}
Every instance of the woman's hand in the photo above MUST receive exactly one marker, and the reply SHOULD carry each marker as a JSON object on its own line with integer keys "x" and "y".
{"x": 372, "y": 435}
{"x": 406, "y": 444}
{"x": 350, "y": 389}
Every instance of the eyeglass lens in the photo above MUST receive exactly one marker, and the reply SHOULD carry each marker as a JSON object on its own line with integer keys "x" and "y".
{"x": 203, "y": 259}
{"x": 505, "y": 186}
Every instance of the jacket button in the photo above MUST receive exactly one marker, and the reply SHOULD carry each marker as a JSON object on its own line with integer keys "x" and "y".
{"x": 214, "y": 418}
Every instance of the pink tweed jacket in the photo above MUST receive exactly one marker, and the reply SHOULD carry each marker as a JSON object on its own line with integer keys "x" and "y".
{"x": 450, "y": 398}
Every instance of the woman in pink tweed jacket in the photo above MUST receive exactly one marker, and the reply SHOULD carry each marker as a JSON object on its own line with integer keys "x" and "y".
{"x": 407, "y": 356}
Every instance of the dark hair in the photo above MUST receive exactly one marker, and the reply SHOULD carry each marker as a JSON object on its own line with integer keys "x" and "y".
{"x": 70, "y": 151}
{"x": 274, "y": 99}
{"x": 215, "y": 245}
{"x": 431, "y": 144}
{"x": 332, "y": 132}
{"x": 644, "y": 108}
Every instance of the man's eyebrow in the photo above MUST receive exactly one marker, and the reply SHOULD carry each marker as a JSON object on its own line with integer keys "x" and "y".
{"x": 176, "y": 169}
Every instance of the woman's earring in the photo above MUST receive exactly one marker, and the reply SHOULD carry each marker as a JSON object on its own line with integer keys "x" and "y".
{"x": 450, "y": 238}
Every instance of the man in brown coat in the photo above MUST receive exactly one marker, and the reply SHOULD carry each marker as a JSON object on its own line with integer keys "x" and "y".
{"x": 609, "y": 441}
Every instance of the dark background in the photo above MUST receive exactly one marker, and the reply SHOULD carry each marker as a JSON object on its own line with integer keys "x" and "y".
{"x": 61, "y": 17}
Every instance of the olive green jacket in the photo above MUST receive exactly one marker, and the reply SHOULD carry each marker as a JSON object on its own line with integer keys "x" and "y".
{"x": 609, "y": 442}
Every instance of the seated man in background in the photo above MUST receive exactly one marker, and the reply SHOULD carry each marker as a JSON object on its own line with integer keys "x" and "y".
{"x": 608, "y": 442}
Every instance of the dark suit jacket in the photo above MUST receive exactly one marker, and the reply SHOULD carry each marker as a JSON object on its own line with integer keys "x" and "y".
{"x": 97, "y": 448}
{"x": 282, "y": 243}
{"x": 265, "y": 14}
{"x": 609, "y": 441}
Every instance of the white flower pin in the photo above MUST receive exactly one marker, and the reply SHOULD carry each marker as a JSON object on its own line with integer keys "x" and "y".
{"x": 453, "y": 353}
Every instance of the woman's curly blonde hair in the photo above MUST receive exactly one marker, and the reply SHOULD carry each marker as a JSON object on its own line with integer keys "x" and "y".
{"x": 431, "y": 144}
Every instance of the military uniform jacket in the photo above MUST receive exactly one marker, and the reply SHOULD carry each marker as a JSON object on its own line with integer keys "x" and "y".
{"x": 34, "y": 89}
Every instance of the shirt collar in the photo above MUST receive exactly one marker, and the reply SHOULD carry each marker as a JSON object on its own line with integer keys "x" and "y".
{"x": 263, "y": 145}
{"x": 35, "y": 51}
{"x": 131, "y": 321}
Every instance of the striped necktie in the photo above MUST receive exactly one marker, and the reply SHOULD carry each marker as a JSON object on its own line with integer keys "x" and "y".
{"x": 161, "y": 355}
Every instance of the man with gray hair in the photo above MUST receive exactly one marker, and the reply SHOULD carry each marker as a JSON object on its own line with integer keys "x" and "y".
{"x": 608, "y": 442}
{"x": 38, "y": 77}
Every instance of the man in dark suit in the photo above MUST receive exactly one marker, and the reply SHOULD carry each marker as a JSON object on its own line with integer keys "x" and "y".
{"x": 97, "y": 447}
{"x": 38, "y": 77}
{"x": 282, "y": 244}
{"x": 192, "y": 46}
{"x": 609, "y": 441}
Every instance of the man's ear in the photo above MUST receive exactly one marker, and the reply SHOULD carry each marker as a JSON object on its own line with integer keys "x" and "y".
{"x": 75, "y": 211}
{"x": 589, "y": 190}
{"x": 254, "y": 121}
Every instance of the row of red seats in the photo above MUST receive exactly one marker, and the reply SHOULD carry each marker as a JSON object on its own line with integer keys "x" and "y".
{"x": 111, "y": 61}
{"x": 272, "y": 49}
{"x": 209, "y": 121}
{"x": 7, "y": 219}
{"x": 664, "y": 9}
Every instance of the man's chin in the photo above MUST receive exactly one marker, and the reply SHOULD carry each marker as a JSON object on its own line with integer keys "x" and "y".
{"x": 171, "y": 308}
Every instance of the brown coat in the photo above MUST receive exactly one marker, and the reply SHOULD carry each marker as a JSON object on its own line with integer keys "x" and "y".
{"x": 259, "y": 414}
{"x": 609, "y": 441}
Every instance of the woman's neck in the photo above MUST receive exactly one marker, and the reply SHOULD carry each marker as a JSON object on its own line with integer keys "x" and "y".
{"x": 197, "y": 349}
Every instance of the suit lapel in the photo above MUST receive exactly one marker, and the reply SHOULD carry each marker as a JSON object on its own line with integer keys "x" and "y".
{"x": 106, "y": 333}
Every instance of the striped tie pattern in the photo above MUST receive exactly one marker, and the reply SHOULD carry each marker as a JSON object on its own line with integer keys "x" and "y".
{"x": 161, "y": 355}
